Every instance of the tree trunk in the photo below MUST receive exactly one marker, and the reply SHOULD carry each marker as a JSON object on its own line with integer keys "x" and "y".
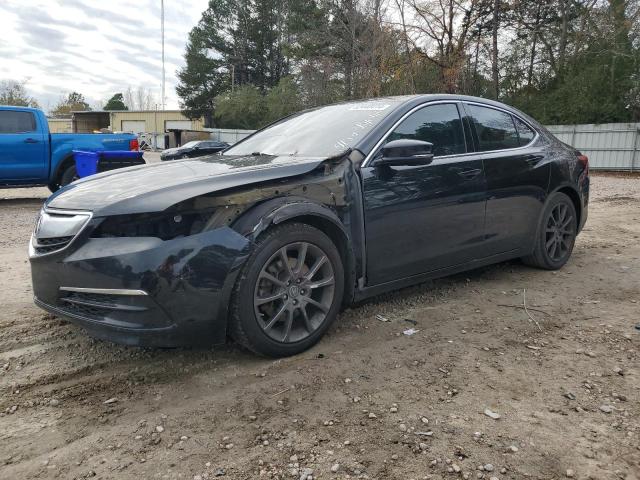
{"x": 564, "y": 32}
{"x": 534, "y": 44}
{"x": 494, "y": 48}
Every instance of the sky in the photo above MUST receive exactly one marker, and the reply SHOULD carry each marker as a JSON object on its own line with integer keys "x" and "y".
{"x": 96, "y": 48}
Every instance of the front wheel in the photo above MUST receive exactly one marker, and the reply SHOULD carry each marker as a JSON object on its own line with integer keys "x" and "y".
{"x": 289, "y": 291}
{"x": 556, "y": 234}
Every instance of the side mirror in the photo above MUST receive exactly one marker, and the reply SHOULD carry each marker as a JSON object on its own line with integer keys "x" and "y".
{"x": 406, "y": 152}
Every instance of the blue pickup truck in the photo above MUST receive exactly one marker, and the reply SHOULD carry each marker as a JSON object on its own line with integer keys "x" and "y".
{"x": 30, "y": 155}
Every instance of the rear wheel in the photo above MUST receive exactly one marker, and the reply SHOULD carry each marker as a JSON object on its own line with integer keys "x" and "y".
{"x": 289, "y": 291}
{"x": 69, "y": 175}
{"x": 556, "y": 234}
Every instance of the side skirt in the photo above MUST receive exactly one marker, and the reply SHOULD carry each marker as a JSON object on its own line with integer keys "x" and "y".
{"x": 373, "y": 290}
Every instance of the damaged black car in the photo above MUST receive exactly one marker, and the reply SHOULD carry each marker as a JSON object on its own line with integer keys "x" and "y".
{"x": 327, "y": 207}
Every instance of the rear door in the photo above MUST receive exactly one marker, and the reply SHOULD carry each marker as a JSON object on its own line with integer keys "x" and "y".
{"x": 517, "y": 175}
{"x": 23, "y": 147}
{"x": 428, "y": 217}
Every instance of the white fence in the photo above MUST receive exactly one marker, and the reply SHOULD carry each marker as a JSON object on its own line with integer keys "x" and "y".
{"x": 609, "y": 146}
{"x": 228, "y": 135}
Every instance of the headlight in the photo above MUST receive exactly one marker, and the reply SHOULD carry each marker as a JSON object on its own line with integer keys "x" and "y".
{"x": 165, "y": 225}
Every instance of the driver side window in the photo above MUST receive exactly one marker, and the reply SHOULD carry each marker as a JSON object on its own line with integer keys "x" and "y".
{"x": 438, "y": 124}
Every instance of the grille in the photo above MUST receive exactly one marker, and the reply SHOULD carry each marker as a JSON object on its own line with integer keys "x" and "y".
{"x": 98, "y": 305}
{"x": 55, "y": 229}
{"x": 48, "y": 245}
{"x": 106, "y": 300}
{"x": 87, "y": 311}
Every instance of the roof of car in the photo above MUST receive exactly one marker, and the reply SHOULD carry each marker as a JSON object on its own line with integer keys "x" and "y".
{"x": 428, "y": 97}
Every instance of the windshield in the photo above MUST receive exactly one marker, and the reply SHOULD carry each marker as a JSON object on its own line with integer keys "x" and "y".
{"x": 190, "y": 144}
{"x": 321, "y": 132}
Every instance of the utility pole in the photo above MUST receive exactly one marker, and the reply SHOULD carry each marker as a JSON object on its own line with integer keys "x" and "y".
{"x": 155, "y": 129}
{"x": 162, "y": 34}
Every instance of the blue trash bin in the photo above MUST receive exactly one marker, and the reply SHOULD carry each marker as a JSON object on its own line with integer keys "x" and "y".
{"x": 86, "y": 162}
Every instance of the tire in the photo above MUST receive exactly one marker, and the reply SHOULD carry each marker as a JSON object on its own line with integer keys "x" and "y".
{"x": 68, "y": 176}
{"x": 279, "y": 310}
{"x": 556, "y": 234}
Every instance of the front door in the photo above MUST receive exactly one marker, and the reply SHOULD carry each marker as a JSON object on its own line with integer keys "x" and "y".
{"x": 23, "y": 149}
{"x": 424, "y": 218}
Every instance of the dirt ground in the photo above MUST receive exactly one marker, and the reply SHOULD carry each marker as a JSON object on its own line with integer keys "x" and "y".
{"x": 368, "y": 401}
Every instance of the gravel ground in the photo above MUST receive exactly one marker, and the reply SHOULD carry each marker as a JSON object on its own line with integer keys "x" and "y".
{"x": 478, "y": 392}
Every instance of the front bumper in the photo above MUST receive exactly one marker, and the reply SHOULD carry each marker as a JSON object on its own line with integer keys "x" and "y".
{"x": 143, "y": 291}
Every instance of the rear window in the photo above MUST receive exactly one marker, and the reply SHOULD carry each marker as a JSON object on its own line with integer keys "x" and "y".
{"x": 495, "y": 128}
{"x": 17, "y": 122}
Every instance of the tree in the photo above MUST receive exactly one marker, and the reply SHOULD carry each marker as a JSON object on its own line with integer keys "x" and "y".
{"x": 73, "y": 102}
{"x": 204, "y": 75}
{"x": 15, "y": 94}
{"x": 282, "y": 100}
{"x": 116, "y": 103}
{"x": 236, "y": 42}
{"x": 560, "y": 60}
{"x": 243, "y": 108}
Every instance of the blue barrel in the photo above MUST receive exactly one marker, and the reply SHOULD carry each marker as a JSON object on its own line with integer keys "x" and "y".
{"x": 86, "y": 162}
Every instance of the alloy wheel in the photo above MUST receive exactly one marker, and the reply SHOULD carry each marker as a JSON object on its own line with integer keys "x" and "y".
{"x": 294, "y": 292}
{"x": 559, "y": 232}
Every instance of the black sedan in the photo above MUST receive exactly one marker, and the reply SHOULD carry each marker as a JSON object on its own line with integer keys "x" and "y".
{"x": 265, "y": 243}
{"x": 197, "y": 148}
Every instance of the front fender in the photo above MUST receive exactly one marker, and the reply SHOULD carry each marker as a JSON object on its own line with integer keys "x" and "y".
{"x": 272, "y": 212}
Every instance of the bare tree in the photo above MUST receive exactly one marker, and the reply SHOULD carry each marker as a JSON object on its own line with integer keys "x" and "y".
{"x": 442, "y": 31}
{"x": 139, "y": 99}
{"x": 13, "y": 92}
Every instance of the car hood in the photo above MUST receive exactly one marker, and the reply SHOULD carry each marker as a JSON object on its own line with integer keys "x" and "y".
{"x": 155, "y": 187}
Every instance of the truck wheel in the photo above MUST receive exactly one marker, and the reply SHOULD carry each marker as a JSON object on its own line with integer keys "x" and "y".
{"x": 69, "y": 175}
{"x": 288, "y": 292}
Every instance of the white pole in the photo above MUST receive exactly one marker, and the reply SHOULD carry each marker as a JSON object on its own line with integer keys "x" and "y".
{"x": 162, "y": 33}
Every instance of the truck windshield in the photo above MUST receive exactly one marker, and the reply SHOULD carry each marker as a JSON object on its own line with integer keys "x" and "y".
{"x": 321, "y": 132}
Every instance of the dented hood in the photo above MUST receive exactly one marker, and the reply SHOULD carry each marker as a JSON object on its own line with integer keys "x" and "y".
{"x": 155, "y": 187}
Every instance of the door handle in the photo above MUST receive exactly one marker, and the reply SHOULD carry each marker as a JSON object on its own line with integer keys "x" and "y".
{"x": 31, "y": 140}
{"x": 533, "y": 159}
{"x": 470, "y": 172}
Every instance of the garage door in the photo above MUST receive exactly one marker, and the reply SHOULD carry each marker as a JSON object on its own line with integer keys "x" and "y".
{"x": 133, "y": 126}
{"x": 177, "y": 125}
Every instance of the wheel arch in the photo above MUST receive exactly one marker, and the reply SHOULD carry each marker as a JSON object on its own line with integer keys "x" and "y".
{"x": 571, "y": 192}
{"x": 61, "y": 167}
{"x": 277, "y": 211}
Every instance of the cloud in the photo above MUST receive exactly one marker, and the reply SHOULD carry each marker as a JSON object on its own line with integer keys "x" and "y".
{"x": 93, "y": 48}
{"x": 30, "y": 16}
{"x": 43, "y": 37}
